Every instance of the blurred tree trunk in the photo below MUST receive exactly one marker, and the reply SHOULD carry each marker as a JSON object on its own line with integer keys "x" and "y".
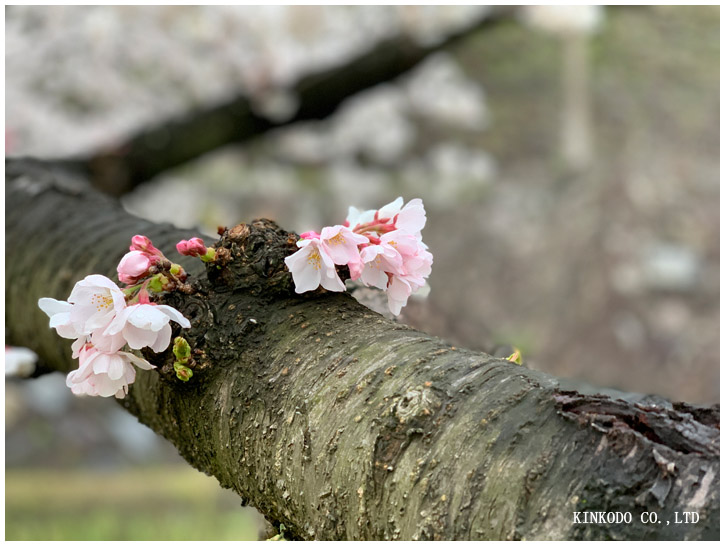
{"x": 343, "y": 425}
{"x": 314, "y": 97}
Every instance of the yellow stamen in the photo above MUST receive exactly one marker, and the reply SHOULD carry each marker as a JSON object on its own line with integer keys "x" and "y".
{"x": 314, "y": 260}
{"x": 337, "y": 240}
{"x": 101, "y": 302}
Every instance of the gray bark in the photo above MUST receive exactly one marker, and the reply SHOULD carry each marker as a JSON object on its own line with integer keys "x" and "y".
{"x": 343, "y": 425}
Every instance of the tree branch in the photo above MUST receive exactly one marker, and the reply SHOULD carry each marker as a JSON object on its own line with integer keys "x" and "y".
{"x": 173, "y": 142}
{"x": 343, "y": 425}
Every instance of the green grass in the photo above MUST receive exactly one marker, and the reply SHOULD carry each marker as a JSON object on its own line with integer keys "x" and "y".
{"x": 169, "y": 503}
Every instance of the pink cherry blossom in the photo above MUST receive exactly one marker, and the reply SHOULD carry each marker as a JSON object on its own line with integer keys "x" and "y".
{"x": 96, "y": 301}
{"x": 378, "y": 262}
{"x": 133, "y": 266}
{"x": 381, "y": 248}
{"x": 104, "y": 374}
{"x": 146, "y": 325}
{"x": 312, "y": 266}
{"x": 405, "y": 243}
{"x": 342, "y": 244}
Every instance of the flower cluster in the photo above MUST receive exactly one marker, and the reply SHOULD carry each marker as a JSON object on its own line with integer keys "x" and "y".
{"x": 104, "y": 319}
{"x": 381, "y": 248}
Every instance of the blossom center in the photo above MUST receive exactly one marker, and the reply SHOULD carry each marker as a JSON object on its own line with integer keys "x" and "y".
{"x": 314, "y": 260}
{"x": 336, "y": 240}
{"x": 101, "y": 301}
{"x": 375, "y": 263}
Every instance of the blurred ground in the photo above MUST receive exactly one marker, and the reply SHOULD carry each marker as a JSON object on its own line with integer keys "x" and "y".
{"x": 607, "y": 273}
{"x": 146, "y": 503}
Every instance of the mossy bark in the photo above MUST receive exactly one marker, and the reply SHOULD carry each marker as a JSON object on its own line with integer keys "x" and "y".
{"x": 343, "y": 425}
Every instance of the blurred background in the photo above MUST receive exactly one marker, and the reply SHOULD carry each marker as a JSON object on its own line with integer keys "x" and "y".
{"x": 568, "y": 159}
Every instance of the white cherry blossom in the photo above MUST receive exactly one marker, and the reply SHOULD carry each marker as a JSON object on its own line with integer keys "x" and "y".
{"x": 96, "y": 301}
{"x": 312, "y": 266}
{"x": 145, "y": 325}
{"x": 104, "y": 374}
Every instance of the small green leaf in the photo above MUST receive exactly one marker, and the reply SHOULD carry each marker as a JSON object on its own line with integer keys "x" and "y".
{"x": 157, "y": 283}
{"x": 515, "y": 357}
{"x": 182, "y": 372}
{"x": 182, "y": 350}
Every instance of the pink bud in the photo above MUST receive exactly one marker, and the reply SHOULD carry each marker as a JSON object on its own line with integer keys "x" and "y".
{"x": 144, "y": 244}
{"x": 310, "y": 235}
{"x": 143, "y": 297}
{"x": 133, "y": 266}
{"x": 192, "y": 247}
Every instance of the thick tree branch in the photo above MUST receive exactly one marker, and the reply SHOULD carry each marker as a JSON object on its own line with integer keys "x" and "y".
{"x": 343, "y": 425}
{"x": 173, "y": 142}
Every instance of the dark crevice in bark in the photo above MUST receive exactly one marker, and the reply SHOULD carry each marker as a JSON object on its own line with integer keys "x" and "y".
{"x": 678, "y": 430}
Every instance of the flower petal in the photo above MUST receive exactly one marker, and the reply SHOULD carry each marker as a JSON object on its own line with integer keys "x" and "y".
{"x": 174, "y": 315}
{"x": 52, "y": 307}
{"x": 147, "y": 317}
{"x": 116, "y": 367}
{"x": 140, "y": 362}
{"x": 332, "y": 283}
{"x": 163, "y": 338}
{"x": 137, "y": 338}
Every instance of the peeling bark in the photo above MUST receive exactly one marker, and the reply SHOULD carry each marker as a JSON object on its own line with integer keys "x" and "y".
{"x": 343, "y": 425}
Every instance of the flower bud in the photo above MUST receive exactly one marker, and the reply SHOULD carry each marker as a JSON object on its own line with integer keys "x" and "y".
{"x": 192, "y": 247}
{"x": 133, "y": 267}
{"x": 144, "y": 244}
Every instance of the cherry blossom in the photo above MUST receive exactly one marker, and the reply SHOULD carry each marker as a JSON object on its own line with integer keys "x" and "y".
{"x": 103, "y": 319}
{"x": 146, "y": 325}
{"x": 381, "y": 248}
{"x": 104, "y": 374}
{"x": 379, "y": 261}
{"x": 312, "y": 266}
{"x": 341, "y": 244}
{"x": 96, "y": 301}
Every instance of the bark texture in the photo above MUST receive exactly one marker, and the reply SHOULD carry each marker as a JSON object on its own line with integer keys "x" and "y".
{"x": 343, "y": 425}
